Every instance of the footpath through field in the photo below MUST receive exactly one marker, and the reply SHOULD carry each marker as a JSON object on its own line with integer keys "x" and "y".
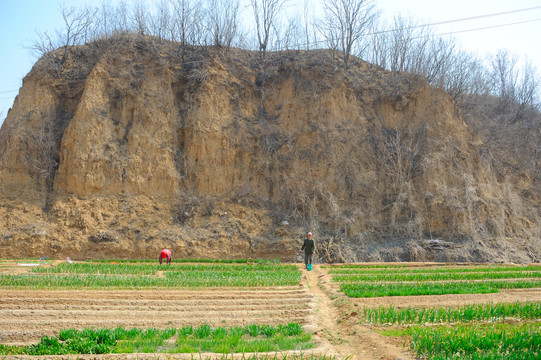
{"x": 359, "y": 342}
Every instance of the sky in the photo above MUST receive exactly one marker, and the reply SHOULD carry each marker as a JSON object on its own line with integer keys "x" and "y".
{"x": 20, "y": 20}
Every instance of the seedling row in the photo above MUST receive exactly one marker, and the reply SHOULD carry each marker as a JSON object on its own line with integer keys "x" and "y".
{"x": 137, "y": 276}
{"x": 151, "y": 269}
{"x": 438, "y": 276}
{"x": 398, "y": 269}
{"x": 188, "y": 339}
{"x": 370, "y": 289}
{"x": 363, "y": 281}
{"x": 436, "y": 315}
{"x": 510, "y": 331}
{"x": 478, "y": 341}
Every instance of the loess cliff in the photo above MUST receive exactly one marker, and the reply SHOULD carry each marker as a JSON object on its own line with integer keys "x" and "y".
{"x": 123, "y": 146}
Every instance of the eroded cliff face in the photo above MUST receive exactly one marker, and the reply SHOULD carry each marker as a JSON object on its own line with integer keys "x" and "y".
{"x": 132, "y": 145}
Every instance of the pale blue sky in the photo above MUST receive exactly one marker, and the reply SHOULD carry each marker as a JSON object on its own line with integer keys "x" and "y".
{"x": 20, "y": 19}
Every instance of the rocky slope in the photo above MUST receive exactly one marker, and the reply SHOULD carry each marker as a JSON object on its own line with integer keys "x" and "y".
{"x": 130, "y": 144}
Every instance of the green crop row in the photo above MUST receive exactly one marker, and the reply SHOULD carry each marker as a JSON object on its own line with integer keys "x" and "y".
{"x": 150, "y": 269}
{"x": 474, "y": 312}
{"x": 234, "y": 278}
{"x": 251, "y": 338}
{"x": 435, "y": 269}
{"x": 218, "y": 261}
{"x": 480, "y": 342}
{"x": 192, "y": 279}
{"x": 436, "y": 276}
{"x": 368, "y": 289}
{"x": 130, "y": 276}
{"x": 88, "y": 268}
{"x": 353, "y": 266}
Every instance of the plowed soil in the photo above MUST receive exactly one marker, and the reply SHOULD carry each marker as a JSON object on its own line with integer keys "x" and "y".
{"x": 27, "y": 315}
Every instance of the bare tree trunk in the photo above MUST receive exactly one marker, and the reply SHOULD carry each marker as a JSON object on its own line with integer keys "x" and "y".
{"x": 161, "y": 21}
{"x": 223, "y": 21}
{"x": 345, "y": 22}
{"x": 266, "y": 15}
{"x": 139, "y": 17}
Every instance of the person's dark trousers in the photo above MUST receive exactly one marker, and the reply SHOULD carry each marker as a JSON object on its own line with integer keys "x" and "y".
{"x": 307, "y": 258}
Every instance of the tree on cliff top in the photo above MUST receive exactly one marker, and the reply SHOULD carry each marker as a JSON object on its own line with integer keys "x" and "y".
{"x": 265, "y": 15}
{"x": 345, "y": 22}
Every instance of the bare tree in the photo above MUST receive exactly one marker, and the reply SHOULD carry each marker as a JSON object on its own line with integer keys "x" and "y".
{"x": 345, "y": 22}
{"x": 291, "y": 37}
{"x": 457, "y": 78}
{"x": 187, "y": 18}
{"x": 379, "y": 40}
{"x": 265, "y": 15}
{"x": 527, "y": 92}
{"x": 517, "y": 88}
{"x": 121, "y": 17}
{"x": 400, "y": 154}
{"x": 402, "y": 45}
{"x": 223, "y": 21}
{"x": 161, "y": 22}
{"x": 438, "y": 57}
{"x": 42, "y": 44}
{"x": 310, "y": 31}
{"x": 504, "y": 75}
{"x": 139, "y": 17}
{"x": 110, "y": 20}
{"x": 104, "y": 20}
{"x": 403, "y": 38}
{"x": 79, "y": 24}
{"x": 78, "y": 29}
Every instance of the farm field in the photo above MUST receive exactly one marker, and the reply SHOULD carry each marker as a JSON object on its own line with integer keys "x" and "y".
{"x": 388, "y": 315}
{"x": 446, "y": 312}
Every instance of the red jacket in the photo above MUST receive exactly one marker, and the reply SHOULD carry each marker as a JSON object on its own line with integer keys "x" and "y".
{"x": 165, "y": 254}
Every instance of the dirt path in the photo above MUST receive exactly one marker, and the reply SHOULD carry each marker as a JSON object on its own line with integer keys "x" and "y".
{"x": 359, "y": 342}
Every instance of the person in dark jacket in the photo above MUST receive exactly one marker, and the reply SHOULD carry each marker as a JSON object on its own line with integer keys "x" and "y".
{"x": 309, "y": 247}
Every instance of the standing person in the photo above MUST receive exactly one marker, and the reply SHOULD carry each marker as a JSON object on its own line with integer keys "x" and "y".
{"x": 309, "y": 247}
{"x": 165, "y": 254}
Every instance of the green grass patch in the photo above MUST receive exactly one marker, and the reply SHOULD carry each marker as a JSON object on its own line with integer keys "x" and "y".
{"x": 369, "y": 289}
{"x": 181, "y": 261}
{"x": 436, "y": 276}
{"x": 474, "y": 312}
{"x": 150, "y": 269}
{"x": 352, "y": 266}
{"x": 136, "y": 276}
{"x": 481, "y": 341}
{"x": 389, "y": 269}
{"x": 204, "y": 338}
{"x": 475, "y": 331}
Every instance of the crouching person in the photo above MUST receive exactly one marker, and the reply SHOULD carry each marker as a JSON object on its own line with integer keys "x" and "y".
{"x": 165, "y": 254}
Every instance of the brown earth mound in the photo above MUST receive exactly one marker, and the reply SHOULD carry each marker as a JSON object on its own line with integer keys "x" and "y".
{"x": 124, "y": 147}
